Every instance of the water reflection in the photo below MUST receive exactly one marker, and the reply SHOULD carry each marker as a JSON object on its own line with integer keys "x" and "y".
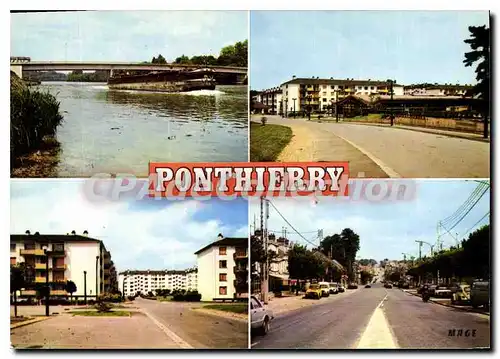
{"x": 121, "y": 131}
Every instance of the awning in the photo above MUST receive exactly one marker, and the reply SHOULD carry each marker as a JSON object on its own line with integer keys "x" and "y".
{"x": 279, "y": 276}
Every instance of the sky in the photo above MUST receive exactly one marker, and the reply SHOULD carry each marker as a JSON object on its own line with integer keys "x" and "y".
{"x": 386, "y": 229}
{"x": 408, "y": 46}
{"x": 146, "y": 234}
{"x": 133, "y": 36}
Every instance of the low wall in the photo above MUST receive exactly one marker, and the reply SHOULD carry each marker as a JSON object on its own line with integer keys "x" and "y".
{"x": 443, "y": 123}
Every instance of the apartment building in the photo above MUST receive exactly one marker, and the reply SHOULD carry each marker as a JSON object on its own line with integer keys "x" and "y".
{"x": 438, "y": 90}
{"x": 79, "y": 258}
{"x": 133, "y": 282}
{"x": 273, "y": 99}
{"x": 299, "y": 93}
{"x": 223, "y": 269}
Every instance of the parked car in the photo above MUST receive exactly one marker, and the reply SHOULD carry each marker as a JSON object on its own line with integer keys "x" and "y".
{"x": 314, "y": 292}
{"x": 388, "y": 285}
{"x": 442, "y": 292}
{"x": 352, "y": 286}
{"x": 260, "y": 316}
{"x": 460, "y": 294}
{"x": 341, "y": 289}
{"x": 325, "y": 289}
{"x": 368, "y": 286}
{"x": 334, "y": 288}
{"x": 480, "y": 294}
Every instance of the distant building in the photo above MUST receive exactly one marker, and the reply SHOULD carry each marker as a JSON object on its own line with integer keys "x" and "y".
{"x": 68, "y": 257}
{"x": 273, "y": 99}
{"x": 223, "y": 269}
{"x": 134, "y": 282}
{"x": 438, "y": 90}
{"x": 299, "y": 93}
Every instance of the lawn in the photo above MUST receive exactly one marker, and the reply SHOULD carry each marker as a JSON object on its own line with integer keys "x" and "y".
{"x": 164, "y": 299}
{"x": 94, "y": 313}
{"x": 267, "y": 142}
{"x": 241, "y": 308}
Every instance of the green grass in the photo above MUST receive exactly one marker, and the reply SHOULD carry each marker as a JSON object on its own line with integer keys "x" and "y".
{"x": 93, "y": 313}
{"x": 267, "y": 142}
{"x": 369, "y": 117}
{"x": 164, "y": 299}
{"x": 241, "y": 308}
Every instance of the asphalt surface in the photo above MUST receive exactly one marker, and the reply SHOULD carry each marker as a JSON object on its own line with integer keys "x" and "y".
{"x": 199, "y": 330}
{"x": 397, "y": 152}
{"x": 340, "y": 322}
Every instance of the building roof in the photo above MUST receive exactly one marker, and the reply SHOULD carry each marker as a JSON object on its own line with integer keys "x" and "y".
{"x": 230, "y": 242}
{"x": 159, "y": 272}
{"x": 52, "y": 238}
{"x": 331, "y": 81}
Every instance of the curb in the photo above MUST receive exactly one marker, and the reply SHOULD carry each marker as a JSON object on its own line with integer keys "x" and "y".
{"x": 470, "y": 310}
{"x": 28, "y": 322}
{"x": 220, "y": 314}
{"x": 421, "y": 130}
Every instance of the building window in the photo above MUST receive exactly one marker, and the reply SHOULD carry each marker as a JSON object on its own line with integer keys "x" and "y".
{"x": 372, "y": 88}
{"x": 324, "y": 99}
{"x": 332, "y": 87}
{"x": 222, "y": 277}
{"x": 222, "y": 264}
{"x": 12, "y": 247}
{"x": 366, "y": 87}
{"x": 324, "y": 93}
{"x": 223, "y": 290}
{"x": 324, "y": 86}
{"x": 12, "y": 261}
{"x": 222, "y": 251}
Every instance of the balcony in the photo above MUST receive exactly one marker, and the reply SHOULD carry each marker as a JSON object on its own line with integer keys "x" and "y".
{"x": 59, "y": 267}
{"x": 238, "y": 270}
{"x": 41, "y": 266}
{"x": 40, "y": 279}
{"x": 240, "y": 255}
{"x": 28, "y": 292}
{"x": 60, "y": 280}
{"x": 32, "y": 252}
{"x": 58, "y": 292}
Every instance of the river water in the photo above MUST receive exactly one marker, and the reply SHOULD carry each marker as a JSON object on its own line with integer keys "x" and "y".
{"x": 111, "y": 131}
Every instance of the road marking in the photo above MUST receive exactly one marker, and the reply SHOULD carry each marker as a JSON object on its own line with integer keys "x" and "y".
{"x": 390, "y": 172}
{"x": 178, "y": 340}
{"x": 254, "y": 344}
{"x": 377, "y": 334}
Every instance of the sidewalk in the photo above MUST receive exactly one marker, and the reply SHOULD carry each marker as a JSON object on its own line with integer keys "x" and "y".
{"x": 435, "y": 131}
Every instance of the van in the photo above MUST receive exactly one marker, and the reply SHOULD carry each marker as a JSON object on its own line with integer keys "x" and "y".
{"x": 480, "y": 294}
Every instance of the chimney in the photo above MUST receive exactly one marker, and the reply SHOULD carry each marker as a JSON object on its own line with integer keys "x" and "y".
{"x": 37, "y": 233}
{"x": 85, "y": 233}
{"x": 28, "y": 232}
{"x": 220, "y": 236}
{"x": 73, "y": 232}
{"x": 294, "y": 77}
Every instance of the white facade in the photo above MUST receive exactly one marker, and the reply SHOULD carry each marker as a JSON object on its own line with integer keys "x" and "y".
{"x": 216, "y": 270}
{"x": 144, "y": 282}
{"x": 74, "y": 258}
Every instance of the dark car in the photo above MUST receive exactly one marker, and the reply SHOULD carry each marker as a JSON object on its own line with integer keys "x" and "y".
{"x": 388, "y": 285}
{"x": 352, "y": 286}
{"x": 368, "y": 286}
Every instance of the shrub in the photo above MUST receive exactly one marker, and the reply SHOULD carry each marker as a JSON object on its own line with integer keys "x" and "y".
{"x": 131, "y": 297}
{"x": 190, "y": 296}
{"x": 33, "y": 116}
{"x": 109, "y": 297}
{"x": 103, "y": 307}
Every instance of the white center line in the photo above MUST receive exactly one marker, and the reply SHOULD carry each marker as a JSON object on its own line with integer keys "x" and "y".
{"x": 377, "y": 334}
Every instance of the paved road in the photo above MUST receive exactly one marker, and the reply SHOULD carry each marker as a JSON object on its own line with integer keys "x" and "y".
{"x": 198, "y": 330}
{"x": 403, "y": 153}
{"x": 365, "y": 319}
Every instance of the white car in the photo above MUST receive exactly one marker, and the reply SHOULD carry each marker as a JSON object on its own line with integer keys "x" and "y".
{"x": 325, "y": 288}
{"x": 260, "y": 316}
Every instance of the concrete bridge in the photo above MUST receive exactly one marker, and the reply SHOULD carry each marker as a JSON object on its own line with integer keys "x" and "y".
{"x": 20, "y": 64}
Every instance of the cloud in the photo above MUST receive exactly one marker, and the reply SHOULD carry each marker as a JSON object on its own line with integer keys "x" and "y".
{"x": 160, "y": 238}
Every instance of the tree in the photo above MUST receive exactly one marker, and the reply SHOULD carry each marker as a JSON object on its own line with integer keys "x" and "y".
{"x": 480, "y": 45}
{"x": 70, "y": 288}
{"x": 17, "y": 282}
{"x": 366, "y": 277}
{"x": 182, "y": 60}
{"x": 159, "y": 60}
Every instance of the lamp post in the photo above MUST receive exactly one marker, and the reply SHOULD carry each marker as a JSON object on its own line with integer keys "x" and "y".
{"x": 309, "y": 97}
{"x": 47, "y": 286}
{"x": 391, "y": 87}
{"x": 294, "y": 99}
{"x": 123, "y": 287}
{"x": 286, "y": 107}
{"x": 96, "y": 277}
{"x": 85, "y": 286}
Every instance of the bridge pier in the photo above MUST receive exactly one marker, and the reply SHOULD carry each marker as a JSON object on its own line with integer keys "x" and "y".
{"x": 17, "y": 69}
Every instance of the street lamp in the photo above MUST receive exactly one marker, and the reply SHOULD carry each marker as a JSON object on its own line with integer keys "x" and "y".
{"x": 85, "y": 286}
{"x": 286, "y": 107}
{"x": 294, "y": 99}
{"x": 309, "y": 97}
{"x": 391, "y": 87}
{"x": 47, "y": 286}
{"x": 96, "y": 277}
{"x": 123, "y": 286}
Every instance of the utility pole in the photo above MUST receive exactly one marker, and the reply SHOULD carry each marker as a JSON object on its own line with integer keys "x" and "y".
{"x": 264, "y": 285}
{"x": 85, "y": 286}
{"x": 47, "y": 293}
{"x": 419, "y": 249}
{"x": 320, "y": 237}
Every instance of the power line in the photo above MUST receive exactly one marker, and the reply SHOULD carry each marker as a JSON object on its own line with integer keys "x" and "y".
{"x": 475, "y": 196}
{"x": 475, "y": 224}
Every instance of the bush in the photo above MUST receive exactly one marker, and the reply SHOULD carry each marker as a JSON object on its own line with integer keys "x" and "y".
{"x": 33, "y": 116}
{"x": 189, "y": 296}
{"x": 131, "y": 298}
{"x": 103, "y": 307}
{"x": 109, "y": 297}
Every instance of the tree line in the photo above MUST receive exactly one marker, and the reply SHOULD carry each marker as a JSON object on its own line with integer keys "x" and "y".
{"x": 231, "y": 55}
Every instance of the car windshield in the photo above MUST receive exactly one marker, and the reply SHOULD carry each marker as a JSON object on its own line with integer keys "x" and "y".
{"x": 314, "y": 286}
{"x": 324, "y": 285}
